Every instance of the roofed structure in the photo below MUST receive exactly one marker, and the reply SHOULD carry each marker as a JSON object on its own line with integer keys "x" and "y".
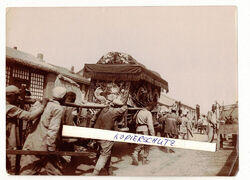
{"x": 122, "y": 67}
{"x": 29, "y": 60}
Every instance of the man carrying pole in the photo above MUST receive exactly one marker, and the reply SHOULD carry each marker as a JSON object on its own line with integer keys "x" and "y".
{"x": 45, "y": 138}
{"x": 106, "y": 120}
{"x": 13, "y": 114}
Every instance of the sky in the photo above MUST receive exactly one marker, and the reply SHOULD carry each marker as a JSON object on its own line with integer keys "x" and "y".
{"x": 193, "y": 48}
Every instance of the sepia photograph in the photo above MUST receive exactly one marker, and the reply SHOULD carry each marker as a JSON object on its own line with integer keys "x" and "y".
{"x": 122, "y": 91}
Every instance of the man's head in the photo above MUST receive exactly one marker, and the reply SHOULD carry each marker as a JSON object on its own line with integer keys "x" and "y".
{"x": 173, "y": 109}
{"x": 27, "y": 93}
{"x": 12, "y": 94}
{"x": 154, "y": 111}
{"x": 70, "y": 97}
{"x": 59, "y": 94}
{"x": 150, "y": 106}
{"x": 185, "y": 113}
{"x": 213, "y": 107}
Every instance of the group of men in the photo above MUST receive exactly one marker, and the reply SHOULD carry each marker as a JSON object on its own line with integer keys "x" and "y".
{"x": 176, "y": 125}
{"x": 202, "y": 124}
{"x": 48, "y": 116}
{"x": 172, "y": 126}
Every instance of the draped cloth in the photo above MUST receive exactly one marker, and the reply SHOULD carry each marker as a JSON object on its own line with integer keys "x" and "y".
{"x": 123, "y": 72}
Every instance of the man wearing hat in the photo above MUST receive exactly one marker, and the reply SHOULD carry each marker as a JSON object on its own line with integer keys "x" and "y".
{"x": 185, "y": 127}
{"x": 144, "y": 123}
{"x": 161, "y": 121}
{"x": 45, "y": 138}
{"x": 13, "y": 114}
{"x": 212, "y": 126}
{"x": 106, "y": 120}
{"x": 170, "y": 124}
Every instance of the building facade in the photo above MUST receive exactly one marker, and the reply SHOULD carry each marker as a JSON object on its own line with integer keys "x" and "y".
{"x": 23, "y": 69}
{"x": 169, "y": 102}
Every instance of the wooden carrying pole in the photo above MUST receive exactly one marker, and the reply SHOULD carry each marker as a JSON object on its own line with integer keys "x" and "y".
{"x": 95, "y": 106}
{"x": 46, "y": 153}
{"x": 19, "y": 130}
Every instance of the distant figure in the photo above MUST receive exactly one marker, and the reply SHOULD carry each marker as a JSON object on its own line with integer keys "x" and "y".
{"x": 212, "y": 120}
{"x": 185, "y": 127}
{"x": 170, "y": 123}
{"x": 161, "y": 122}
{"x": 205, "y": 124}
{"x": 144, "y": 123}
{"x": 193, "y": 122}
{"x": 200, "y": 125}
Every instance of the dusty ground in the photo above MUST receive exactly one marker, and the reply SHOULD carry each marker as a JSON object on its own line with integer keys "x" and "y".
{"x": 181, "y": 163}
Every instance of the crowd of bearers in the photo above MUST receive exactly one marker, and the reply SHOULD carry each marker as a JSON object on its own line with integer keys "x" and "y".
{"x": 50, "y": 115}
{"x": 45, "y": 134}
{"x": 13, "y": 114}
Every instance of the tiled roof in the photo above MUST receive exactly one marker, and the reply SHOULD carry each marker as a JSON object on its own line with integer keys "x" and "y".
{"x": 167, "y": 101}
{"x": 13, "y": 55}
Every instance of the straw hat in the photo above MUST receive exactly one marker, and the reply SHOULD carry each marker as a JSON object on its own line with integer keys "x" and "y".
{"x": 59, "y": 92}
{"x": 12, "y": 90}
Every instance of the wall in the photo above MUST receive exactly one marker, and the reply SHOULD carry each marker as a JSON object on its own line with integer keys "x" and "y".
{"x": 49, "y": 85}
{"x": 85, "y": 90}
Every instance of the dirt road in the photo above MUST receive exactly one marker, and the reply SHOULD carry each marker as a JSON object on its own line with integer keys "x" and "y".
{"x": 181, "y": 163}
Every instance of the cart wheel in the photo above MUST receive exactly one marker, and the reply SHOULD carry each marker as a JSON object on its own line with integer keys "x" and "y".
{"x": 212, "y": 137}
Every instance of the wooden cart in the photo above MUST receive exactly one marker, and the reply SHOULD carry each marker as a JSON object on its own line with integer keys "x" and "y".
{"x": 228, "y": 124}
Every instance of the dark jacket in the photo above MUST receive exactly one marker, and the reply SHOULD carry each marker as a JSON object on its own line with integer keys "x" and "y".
{"x": 108, "y": 116}
{"x": 170, "y": 123}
